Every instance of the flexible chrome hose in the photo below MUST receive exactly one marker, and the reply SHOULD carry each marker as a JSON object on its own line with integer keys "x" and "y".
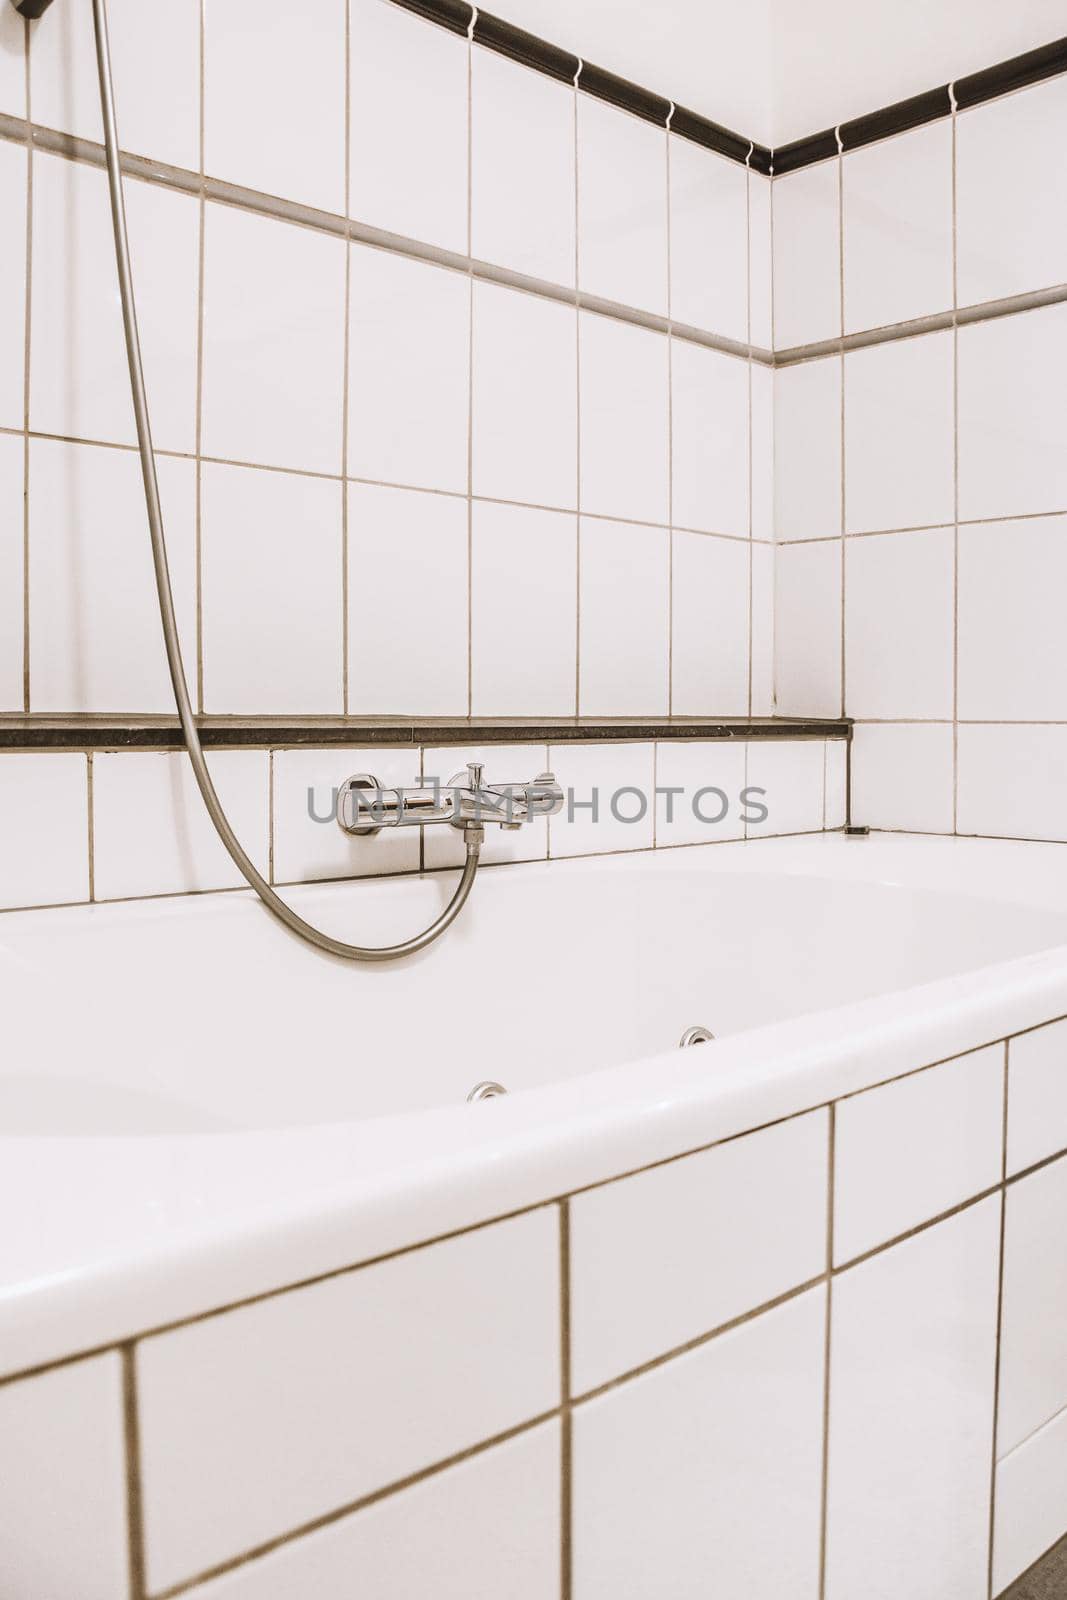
{"x": 274, "y": 903}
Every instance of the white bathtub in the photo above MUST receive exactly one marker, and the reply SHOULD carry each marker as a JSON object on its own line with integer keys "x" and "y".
{"x": 199, "y": 1112}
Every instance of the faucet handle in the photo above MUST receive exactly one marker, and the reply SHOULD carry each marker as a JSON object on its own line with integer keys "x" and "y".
{"x": 475, "y": 771}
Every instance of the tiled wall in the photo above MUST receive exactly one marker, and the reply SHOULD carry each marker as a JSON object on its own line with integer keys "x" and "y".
{"x": 680, "y": 1371}
{"x": 921, "y": 482}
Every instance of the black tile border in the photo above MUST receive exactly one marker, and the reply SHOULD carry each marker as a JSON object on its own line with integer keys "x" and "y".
{"x": 236, "y": 733}
{"x": 527, "y": 48}
{"x": 625, "y": 95}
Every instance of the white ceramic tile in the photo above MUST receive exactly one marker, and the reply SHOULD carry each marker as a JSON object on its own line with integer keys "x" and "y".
{"x": 709, "y": 240}
{"x": 623, "y": 402}
{"x": 911, "y": 1149}
{"x": 899, "y": 434}
{"x": 44, "y": 842}
{"x": 762, "y": 442}
{"x": 835, "y": 782}
{"x": 807, "y": 256}
{"x": 1011, "y": 226}
{"x": 1037, "y": 1095}
{"x": 12, "y": 63}
{"x": 1012, "y": 459}
{"x": 902, "y": 776}
{"x": 789, "y": 776}
{"x": 760, "y": 275}
{"x": 807, "y": 624}
{"x": 151, "y": 830}
{"x": 95, "y": 639}
{"x": 1013, "y": 781}
{"x": 912, "y": 1356}
{"x": 485, "y": 1528}
{"x": 807, "y": 449}
{"x": 698, "y": 792}
{"x": 79, "y": 377}
{"x": 522, "y": 168}
{"x": 709, "y": 625}
{"x": 897, "y": 206}
{"x": 652, "y": 1266}
{"x": 408, "y": 172}
{"x": 407, "y": 602}
{"x": 155, "y": 56}
{"x": 602, "y": 810}
{"x": 707, "y": 1470}
{"x": 274, "y": 98}
{"x": 456, "y": 1343}
{"x": 524, "y": 612}
{"x": 273, "y": 342}
{"x": 12, "y": 284}
{"x": 525, "y": 418}
{"x": 62, "y": 1461}
{"x": 898, "y": 624}
{"x": 1033, "y": 1328}
{"x": 762, "y": 628}
{"x": 1031, "y": 1492}
{"x": 11, "y": 571}
{"x": 271, "y": 592}
{"x": 623, "y": 620}
{"x": 409, "y": 369}
{"x": 308, "y": 843}
{"x": 503, "y": 763}
{"x": 709, "y": 440}
{"x": 622, "y": 206}
{"x": 1012, "y": 644}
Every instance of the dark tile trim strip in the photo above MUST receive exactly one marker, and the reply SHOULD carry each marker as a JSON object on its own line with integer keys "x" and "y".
{"x": 456, "y": 15}
{"x": 626, "y": 95}
{"x": 701, "y": 130}
{"x": 220, "y": 733}
{"x": 898, "y": 118}
{"x": 804, "y": 152}
{"x": 1020, "y": 71}
{"x": 507, "y": 40}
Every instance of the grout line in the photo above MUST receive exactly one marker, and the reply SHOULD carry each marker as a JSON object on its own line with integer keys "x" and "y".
{"x": 27, "y": 335}
{"x": 470, "y": 363}
{"x": 270, "y": 816}
{"x": 90, "y": 806}
{"x": 134, "y": 1498}
{"x": 955, "y": 474}
{"x": 749, "y": 375}
{"x": 670, "y": 435}
{"x": 198, "y": 429}
{"x": 578, "y": 418}
{"x": 1000, "y": 1301}
{"x": 842, "y": 577}
{"x": 346, "y": 365}
{"x": 824, "y": 1503}
{"x": 566, "y": 1541}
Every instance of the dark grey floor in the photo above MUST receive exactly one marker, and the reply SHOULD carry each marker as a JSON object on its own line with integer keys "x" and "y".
{"x": 1046, "y": 1581}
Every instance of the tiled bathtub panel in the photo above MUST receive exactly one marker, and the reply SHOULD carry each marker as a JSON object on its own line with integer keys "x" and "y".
{"x": 703, "y": 1477}
{"x": 1031, "y": 1503}
{"x": 1037, "y": 1096}
{"x": 482, "y": 1530}
{"x": 1033, "y": 1338}
{"x": 662, "y": 1257}
{"x": 293, "y": 1407}
{"x": 907, "y": 1151}
{"x": 44, "y": 840}
{"x": 63, "y": 1485}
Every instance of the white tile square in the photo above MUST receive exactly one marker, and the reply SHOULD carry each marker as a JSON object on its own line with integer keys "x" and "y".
{"x": 899, "y": 446}
{"x": 760, "y": 261}
{"x": 271, "y": 587}
{"x": 622, "y": 206}
{"x": 709, "y": 240}
{"x": 1012, "y": 642}
{"x": 522, "y": 168}
{"x": 524, "y": 612}
{"x": 11, "y": 571}
{"x": 13, "y": 203}
{"x": 710, "y": 582}
{"x": 623, "y": 400}
{"x": 610, "y": 804}
{"x": 95, "y": 643}
{"x": 623, "y": 620}
{"x": 503, "y": 763}
{"x": 525, "y": 418}
{"x": 807, "y": 625}
{"x": 408, "y": 372}
{"x": 787, "y": 779}
{"x": 274, "y": 311}
{"x": 1011, "y": 408}
{"x": 652, "y": 1267}
{"x": 151, "y": 830}
{"x": 274, "y": 98}
{"x": 79, "y": 377}
{"x": 709, "y": 440}
{"x": 63, "y": 1465}
{"x": 698, "y": 791}
{"x": 807, "y": 449}
{"x": 308, "y": 842}
{"x": 685, "y": 1472}
{"x": 835, "y": 783}
{"x": 408, "y": 173}
{"x": 44, "y": 841}
{"x": 1031, "y": 1490}
{"x": 468, "y": 1328}
{"x": 912, "y": 1360}
{"x": 1013, "y": 781}
{"x": 1037, "y": 1096}
{"x": 899, "y": 624}
{"x": 902, "y": 776}
{"x": 487, "y": 1527}
{"x": 897, "y": 206}
{"x": 912, "y": 1149}
{"x": 407, "y": 603}
{"x": 12, "y": 63}
{"x": 1011, "y": 227}
{"x": 807, "y": 256}
{"x": 1033, "y": 1327}
{"x": 762, "y": 443}
{"x": 762, "y": 628}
